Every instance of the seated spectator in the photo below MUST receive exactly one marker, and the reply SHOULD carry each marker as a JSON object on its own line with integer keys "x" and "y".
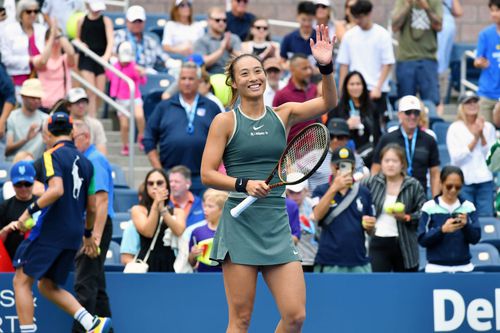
{"x": 181, "y": 197}
{"x": 213, "y": 202}
{"x": 55, "y": 75}
{"x": 448, "y": 225}
{"x": 469, "y": 140}
{"x": 342, "y": 242}
{"x": 422, "y": 154}
{"x": 274, "y": 75}
{"x": 22, "y": 175}
{"x": 95, "y": 31}
{"x": 394, "y": 246}
{"x": 24, "y": 124}
{"x": 299, "y": 89}
{"x": 155, "y": 218}
{"x": 148, "y": 52}
{"x": 120, "y": 91}
{"x": 356, "y": 107}
{"x": 61, "y": 11}
{"x": 488, "y": 61}
{"x": 239, "y": 19}
{"x": 8, "y": 190}
{"x": 217, "y": 46}
{"x": 298, "y": 40}
{"x": 181, "y": 32}
{"x": 181, "y": 132}
{"x": 131, "y": 240}
{"x": 205, "y": 89}
{"x": 77, "y": 106}
{"x": 308, "y": 242}
{"x": 259, "y": 41}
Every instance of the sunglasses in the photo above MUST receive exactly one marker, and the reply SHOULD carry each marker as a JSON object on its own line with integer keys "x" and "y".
{"x": 219, "y": 20}
{"x": 339, "y": 137}
{"x": 242, "y": 1}
{"x": 260, "y": 27}
{"x": 408, "y": 113}
{"x": 184, "y": 4}
{"x": 32, "y": 11}
{"x": 137, "y": 21}
{"x": 449, "y": 187}
{"x": 158, "y": 183}
{"x": 23, "y": 184}
{"x": 321, "y": 6}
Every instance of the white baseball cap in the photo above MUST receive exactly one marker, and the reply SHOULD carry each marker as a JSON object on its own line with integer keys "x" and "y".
{"x": 297, "y": 187}
{"x": 76, "y": 94}
{"x": 125, "y": 52}
{"x": 323, "y": 2}
{"x": 96, "y": 5}
{"x": 135, "y": 13}
{"x": 409, "y": 102}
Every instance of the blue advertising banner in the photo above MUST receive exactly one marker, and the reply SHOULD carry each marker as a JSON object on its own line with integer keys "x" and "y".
{"x": 410, "y": 303}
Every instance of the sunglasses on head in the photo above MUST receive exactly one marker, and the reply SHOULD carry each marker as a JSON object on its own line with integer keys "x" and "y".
{"x": 184, "y": 4}
{"x": 23, "y": 184}
{"x": 31, "y": 11}
{"x": 449, "y": 187}
{"x": 219, "y": 20}
{"x": 260, "y": 27}
{"x": 242, "y": 1}
{"x": 408, "y": 113}
{"x": 157, "y": 183}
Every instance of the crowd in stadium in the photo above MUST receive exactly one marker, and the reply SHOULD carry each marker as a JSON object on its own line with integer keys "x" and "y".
{"x": 389, "y": 183}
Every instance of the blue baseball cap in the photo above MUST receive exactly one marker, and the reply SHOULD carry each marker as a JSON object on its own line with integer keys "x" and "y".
{"x": 59, "y": 121}
{"x": 196, "y": 58}
{"x": 22, "y": 171}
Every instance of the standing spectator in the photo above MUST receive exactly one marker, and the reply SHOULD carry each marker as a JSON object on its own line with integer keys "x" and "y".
{"x": 418, "y": 23}
{"x": 239, "y": 20}
{"x": 274, "y": 74}
{"x": 342, "y": 242}
{"x": 469, "y": 140}
{"x": 154, "y": 216}
{"x": 78, "y": 103}
{"x": 259, "y": 41}
{"x": 47, "y": 255}
{"x": 367, "y": 48}
{"x": 24, "y": 124}
{"x": 55, "y": 75}
{"x": 298, "y": 40}
{"x": 217, "y": 45}
{"x": 213, "y": 202}
{"x": 180, "y": 33}
{"x": 324, "y": 15}
{"x": 299, "y": 89}
{"x": 148, "y": 52}
{"x": 421, "y": 149}
{"x": 7, "y": 104}
{"x": 61, "y": 10}
{"x": 349, "y": 22}
{"x": 96, "y": 32}
{"x": 448, "y": 225}
{"x": 180, "y": 126}
{"x": 90, "y": 281}
{"x": 120, "y": 91}
{"x": 356, "y": 107}
{"x": 181, "y": 197}
{"x": 22, "y": 175}
{"x": 394, "y": 246}
{"x": 487, "y": 59}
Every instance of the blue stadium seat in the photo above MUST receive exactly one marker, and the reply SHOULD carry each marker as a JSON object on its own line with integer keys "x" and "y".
{"x": 124, "y": 199}
{"x": 422, "y": 257}
{"x": 444, "y": 156}
{"x": 441, "y": 128}
{"x": 156, "y": 82}
{"x": 155, "y": 23}
{"x": 119, "y": 224}
{"x": 392, "y": 123}
{"x": 4, "y": 171}
{"x": 485, "y": 257}
{"x": 151, "y": 100}
{"x": 112, "y": 262}
{"x": 472, "y": 72}
{"x": 490, "y": 230}
{"x": 118, "y": 19}
{"x": 119, "y": 180}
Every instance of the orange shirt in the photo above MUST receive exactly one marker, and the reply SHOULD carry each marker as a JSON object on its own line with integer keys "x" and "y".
{"x": 187, "y": 207}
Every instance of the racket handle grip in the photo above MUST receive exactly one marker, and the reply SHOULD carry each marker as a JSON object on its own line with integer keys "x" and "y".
{"x": 236, "y": 211}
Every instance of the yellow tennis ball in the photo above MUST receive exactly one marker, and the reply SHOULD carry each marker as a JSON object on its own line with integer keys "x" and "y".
{"x": 399, "y": 207}
{"x": 30, "y": 223}
{"x": 98, "y": 251}
{"x": 389, "y": 209}
{"x": 72, "y": 23}
{"x": 221, "y": 90}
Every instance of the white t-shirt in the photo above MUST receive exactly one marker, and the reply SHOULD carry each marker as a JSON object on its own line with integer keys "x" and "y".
{"x": 366, "y": 52}
{"x": 176, "y": 33}
{"x": 386, "y": 225}
{"x": 62, "y": 10}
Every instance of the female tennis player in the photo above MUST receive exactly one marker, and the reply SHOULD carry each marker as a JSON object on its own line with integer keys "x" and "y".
{"x": 250, "y": 140}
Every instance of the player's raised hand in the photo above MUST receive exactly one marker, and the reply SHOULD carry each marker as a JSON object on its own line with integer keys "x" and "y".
{"x": 322, "y": 50}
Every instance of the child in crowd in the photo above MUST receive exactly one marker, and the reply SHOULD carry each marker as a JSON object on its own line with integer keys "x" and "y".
{"x": 201, "y": 237}
{"x": 119, "y": 89}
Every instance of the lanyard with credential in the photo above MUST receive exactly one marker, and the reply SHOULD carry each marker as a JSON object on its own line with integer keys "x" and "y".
{"x": 190, "y": 113}
{"x": 410, "y": 153}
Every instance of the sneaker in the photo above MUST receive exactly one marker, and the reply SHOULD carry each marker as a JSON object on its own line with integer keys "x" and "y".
{"x": 139, "y": 140}
{"x": 124, "y": 151}
{"x": 102, "y": 326}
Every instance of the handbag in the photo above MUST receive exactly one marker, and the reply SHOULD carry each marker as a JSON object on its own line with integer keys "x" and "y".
{"x": 138, "y": 266}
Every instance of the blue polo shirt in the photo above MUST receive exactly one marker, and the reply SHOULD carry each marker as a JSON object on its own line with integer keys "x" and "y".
{"x": 7, "y": 92}
{"x": 488, "y": 46}
{"x": 167, "y": 127}
{"x": 239, "y": 25}
{"x": 61, "y": 224}
{"x": 103, "y": 176}
{"x": 294, "y": 43}
{"x": 342, "y": 242}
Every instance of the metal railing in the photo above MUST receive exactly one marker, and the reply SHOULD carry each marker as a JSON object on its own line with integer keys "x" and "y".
{"x": 128, "y": 113}
{"x": 464, "y": 83}
{"x": 118, "y": 3}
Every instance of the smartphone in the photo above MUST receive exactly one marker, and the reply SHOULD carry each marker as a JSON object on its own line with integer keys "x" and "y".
{"x": 345, "y": 168}
{"x": 456, "y": 218}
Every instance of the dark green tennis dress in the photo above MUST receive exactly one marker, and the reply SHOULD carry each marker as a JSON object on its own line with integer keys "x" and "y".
{"x": 261, "y": 235}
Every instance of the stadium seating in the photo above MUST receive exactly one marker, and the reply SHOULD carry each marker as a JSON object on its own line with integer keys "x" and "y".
{"x": 119, "y": 224}
{"x": 4, "y": 172}
{"x": 422, "y": 256}
{"x": 151, "y": 100}
{"x": 119, "y": 180}
{"x": 444, "y": 155}
{"x": 455, "y": 59}
{"x": 490, "y": 231}
{"x": 155, "y": 23}
{"x": 124, "y": 199}
{"x": 441, "y": 129}
{"x": 156, "y": 82}
{"x": 485, "y": 258}
{"x": 118, "y": 19}
{"x": 112, "y": 262}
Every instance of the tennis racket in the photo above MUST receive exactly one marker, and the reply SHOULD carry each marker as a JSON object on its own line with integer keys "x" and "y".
{"x": 302, "y": 156}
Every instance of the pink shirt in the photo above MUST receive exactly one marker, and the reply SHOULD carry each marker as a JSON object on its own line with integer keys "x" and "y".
{"x": 33, "y": 51}
{"x": 52, "y": 77}
{"x": 119, "y": 88}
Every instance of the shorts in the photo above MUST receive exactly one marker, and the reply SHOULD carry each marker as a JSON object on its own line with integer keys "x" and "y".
{"x": 43, "y": 261}
{"x": 87, "y": 64}
{"x": 126, "y": 102}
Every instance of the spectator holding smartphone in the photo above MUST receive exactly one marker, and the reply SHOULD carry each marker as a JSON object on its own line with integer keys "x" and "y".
{"x": 448, "y": 225}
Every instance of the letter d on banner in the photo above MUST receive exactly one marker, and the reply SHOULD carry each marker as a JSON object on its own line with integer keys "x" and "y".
{"x": 440, "y": 296}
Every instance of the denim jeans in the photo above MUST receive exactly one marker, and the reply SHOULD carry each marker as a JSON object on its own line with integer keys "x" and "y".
{"x": 481, "y": 195}
{"x": 418, "y": 76}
